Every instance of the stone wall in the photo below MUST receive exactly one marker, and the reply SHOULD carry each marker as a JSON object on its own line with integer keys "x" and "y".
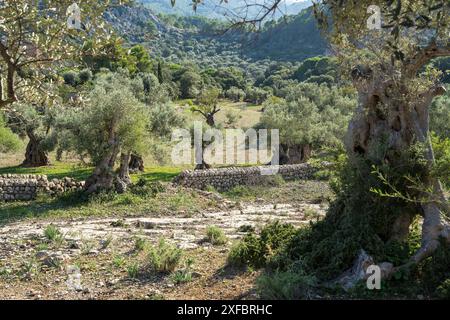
{"x": 223, "y": 179}
{"x": 26, "y": 187}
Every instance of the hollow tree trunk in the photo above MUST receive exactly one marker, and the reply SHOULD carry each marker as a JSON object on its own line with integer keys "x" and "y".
{"x": 124, "y": 172}
{"x": 385, "y": 117}
{"x": 34, "y": 155}
{"x": 295, "y": 154}
{"x": 136, "y": 163}
{"x": 103, "y": 177}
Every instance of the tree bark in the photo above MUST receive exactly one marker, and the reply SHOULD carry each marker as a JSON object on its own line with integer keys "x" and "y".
{"x": 210, "y": 119}
{"x": 136, "y": 163}
{"x": 385, "y": 117}
{"x": 294, "y": 154}
{"x": 124, "y": 172}
{"x": 103, "y": 177}
{"x": 34, "y": 155}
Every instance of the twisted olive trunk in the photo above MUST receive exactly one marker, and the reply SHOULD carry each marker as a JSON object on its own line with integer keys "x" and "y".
{"x": 136, "y": 163}
{"x": 294, "y": 154}
{"x": 103, "y": 177}
{"x": 34, "y": 155}
{"x": 124, "y": 172}
{"x": 384, "y": 115}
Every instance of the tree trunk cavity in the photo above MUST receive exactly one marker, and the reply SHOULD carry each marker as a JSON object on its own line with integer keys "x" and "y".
{"x": 124, "y": 172}
{"x": 34, "y": 155}
{"x": 136, "y": 163}
{"x": 294, "y": 154}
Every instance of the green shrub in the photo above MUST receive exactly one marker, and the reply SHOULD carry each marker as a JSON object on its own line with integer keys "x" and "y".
{"x": 246, "y": 252}
{"x": 164, "y": 257}
{"x": 443, "y": 291}
{"x": 258, "y": 251}
{"x": 285, "y": 285}
{"x": 85, "y": 75}
{"x": 8, "y": 140}
{"x": 215, "y": 236}
{"x": 145, "y": 188}
{"x": 435, "y": 270}
{"x": 71, "y": 78}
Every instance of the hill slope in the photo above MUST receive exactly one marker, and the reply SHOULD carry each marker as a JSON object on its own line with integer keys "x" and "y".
{"x": 176, "y": 38}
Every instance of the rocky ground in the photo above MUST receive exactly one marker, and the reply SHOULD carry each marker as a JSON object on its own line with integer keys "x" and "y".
{"x": 98, "y": 258}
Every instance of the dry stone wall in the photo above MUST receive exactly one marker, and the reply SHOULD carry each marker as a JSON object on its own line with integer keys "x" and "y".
{"x": 26, "y": 187}
{"x": 223, "y": 179}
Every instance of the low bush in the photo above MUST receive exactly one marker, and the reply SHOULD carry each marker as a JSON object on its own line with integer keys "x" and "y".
{"x": 259, "y": 250}
{"x": 286, "y": 285}
{"x": 145, "y": 188}
{"x": 215, "y": 236}
{"x": 164, "y": 257}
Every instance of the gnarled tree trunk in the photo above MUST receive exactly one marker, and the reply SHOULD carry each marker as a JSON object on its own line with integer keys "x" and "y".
{"x": 210, "y": 119}
{"x": 390, "y": 115}
{"x": 124, "y": 172}
{"x": 34, "y": 155}
{"x": 294, "y": 154}
{"x": 103, "y": 177}
{"x": 136, "y": 163}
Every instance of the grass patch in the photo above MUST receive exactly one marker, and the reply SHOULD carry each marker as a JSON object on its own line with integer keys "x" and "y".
{"x": 215, "y": 236}
{"x": 78, "y": 204}
{"x": 164, "y": 257}
{"x": 133, "y": 270}
{"x": 52, "y": 233}
{"x": 185, "y": 274}
{"x": 57, "y": 170}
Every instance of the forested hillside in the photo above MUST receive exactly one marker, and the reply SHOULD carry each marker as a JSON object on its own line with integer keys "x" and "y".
{"x": 216, "y": 9}
{"x": 196, "y": 38}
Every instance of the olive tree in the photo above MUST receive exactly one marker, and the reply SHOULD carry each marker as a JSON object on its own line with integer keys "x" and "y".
{"x": 208, "y": 104}
{"x": 36, "y": 38}
{"x": 109, "y": 128}
{"x": 308, "y": 117}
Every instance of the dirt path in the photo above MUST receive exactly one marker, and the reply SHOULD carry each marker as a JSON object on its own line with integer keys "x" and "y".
{"x": 102, "y": 250}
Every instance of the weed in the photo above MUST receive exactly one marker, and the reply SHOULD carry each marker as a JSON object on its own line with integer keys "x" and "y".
{"x": 139, "y": 244}
{"x": 86, "y": 246}
{"x": 215, "y": 236}
{"x": 164, "y": 257}
{"x": 107, "y": 242}
{"x": 133, "y": 270}
{"x": 52, "y": 233}
{"x": 183, "y": 275}
{"x": 119, "y": 261}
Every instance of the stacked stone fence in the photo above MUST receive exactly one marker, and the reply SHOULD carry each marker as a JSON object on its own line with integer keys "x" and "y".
{"x": 223, "y": 179}
{"x": 27, "y": 187}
